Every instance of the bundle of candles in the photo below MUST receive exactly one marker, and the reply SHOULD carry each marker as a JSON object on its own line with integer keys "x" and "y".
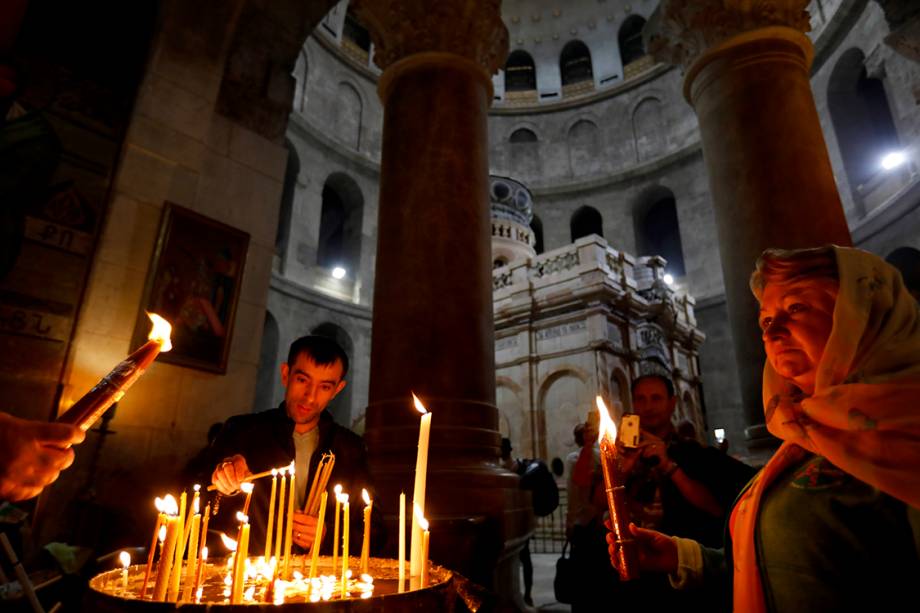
{"x": 278, "y": 575}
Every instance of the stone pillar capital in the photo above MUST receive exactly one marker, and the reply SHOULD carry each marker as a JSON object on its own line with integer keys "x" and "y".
{"x": 682, "y": 31}
{"x": 472, "y": 29}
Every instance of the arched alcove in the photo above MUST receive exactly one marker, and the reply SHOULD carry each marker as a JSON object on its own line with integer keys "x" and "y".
{"x": 649, "y": 129}
{"x": 584, "y": 146}
{"x": 268, "y": 379}
{"x": 340, "y": 224}
{"x": 657, "y": 229}
{"x": 340, "y": 408}
{"x": 511, "y": 418}
{"x": 525, "y": 152}
{"x": 565, "y": 401}
{"x": 620, "y": 393}
{"x": 585, "y": 222}
{"x": 291, "y": 171}
{"x": 348, "y": 111}
{"x": 520, "y": 72}
{"x": 537, "y": 226}
{"x": 575, "y": 63}
{"x": 861, "y": 118}
{"x": 630, "y": 39}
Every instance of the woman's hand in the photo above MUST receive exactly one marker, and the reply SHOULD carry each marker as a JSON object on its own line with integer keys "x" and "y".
{"x": 657, "y": 551}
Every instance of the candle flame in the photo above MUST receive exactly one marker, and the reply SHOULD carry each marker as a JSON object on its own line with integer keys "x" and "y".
{"x": 291, "y": 468}
{"x": 161, "y": 536}
{"x": 419, "y": 516}
{"x": 343, "y": 498}
{"x": 365, "y": 496}
{"x": 418, "y": 404}
{"x": 607, "y": 429}
{"x": 158, "y": 503}
{"x": 196, "y": 487}
{"x": 274, "y": 472}
{"x": 160, "y": 331}
{"x": 204, "y": 553}
{"x": 242, "y": 518}
{"x": 229, "y": 543}
{"x": 247, "y": 486}
{"x": 170, "y": 507}
{"x": 337, "y": 489}
{"x": 125, "y": 558}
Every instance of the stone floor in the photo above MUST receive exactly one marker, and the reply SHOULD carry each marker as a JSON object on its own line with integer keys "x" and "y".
{"x": 544, "y": 569}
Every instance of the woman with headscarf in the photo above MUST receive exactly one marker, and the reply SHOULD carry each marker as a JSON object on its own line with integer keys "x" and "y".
{"x": 832, "y": 522}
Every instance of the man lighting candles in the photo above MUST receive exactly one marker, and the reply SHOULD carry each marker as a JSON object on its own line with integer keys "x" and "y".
{"x": 298, "y": 431}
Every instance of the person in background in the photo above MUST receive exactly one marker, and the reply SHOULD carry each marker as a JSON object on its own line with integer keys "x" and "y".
{"x": 832, "y": 521}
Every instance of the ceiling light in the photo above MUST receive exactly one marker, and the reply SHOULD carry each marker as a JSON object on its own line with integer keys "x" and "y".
{"x": 338, "y": 272}
{"x": 668, "y": 279}
{"x": 720, "y": 435}
{"x": 893, "y": 160}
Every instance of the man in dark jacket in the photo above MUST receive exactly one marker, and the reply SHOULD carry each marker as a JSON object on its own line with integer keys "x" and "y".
{"x": 299, "y": 431}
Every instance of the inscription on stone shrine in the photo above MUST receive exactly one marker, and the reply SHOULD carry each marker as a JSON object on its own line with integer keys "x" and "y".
{"x": 506, "y": 343}
{"x": 561, "y": 330}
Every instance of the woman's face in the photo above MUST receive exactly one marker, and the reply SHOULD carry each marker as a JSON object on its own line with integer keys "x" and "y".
{"x": 796, "y": 320}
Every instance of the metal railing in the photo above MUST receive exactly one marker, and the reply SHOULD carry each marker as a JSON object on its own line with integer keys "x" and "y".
{"x": 549, "y": 536}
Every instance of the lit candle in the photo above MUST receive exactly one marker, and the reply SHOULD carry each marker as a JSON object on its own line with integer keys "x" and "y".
{"x": 271, "y": 515}
{"x": 167, "y": 552}
{"x": 247, "y": 488}
{"x": 161, "y": 520}
{"x": 179, "y": 551}
{"x": 345, "y": 522}
{"x": 125, "y": 558}
{"x": 418, "y": 495}
{"x": 626, "y": 548}
{"x": 289, "y": 529}
{"x": 192, "y": 559}
{"x": 366, "y": 543}
{"x": 337, "y": 490}
{"x": 113, "y": 386}
{"x": 320, "y": 520}
{"x": 279, "y": 532}
{"x": 426, "y": 538}
{"x": 402, "y": 541}
{"x": 204, "y": 533}
{"x": 242, "y": 552}
{"x": 201, "y": 562}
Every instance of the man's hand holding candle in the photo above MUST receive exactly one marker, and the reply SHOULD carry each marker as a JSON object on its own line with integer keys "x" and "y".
{"x": 32, "y": 455}
{"x": 228, "y": 475}
{"x": 304, "y": 531}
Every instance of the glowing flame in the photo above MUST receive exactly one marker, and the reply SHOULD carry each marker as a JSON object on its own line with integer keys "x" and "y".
{"x": 422, "y": 522}
{"x": 343, "y": 498}
{"x": 274, "y": 472}
{"x": 168, "y": 505}
{"x": 125, "y": 558}
{"x": 247, "y": 486}
{"x": 242, "y": 518}
{"x": 418, "y": 404}
{"x": 196, "y": 487}
{"x": 161, "y": 536}
{"x": 607, "y": 429}
{"x": 291, "y": 468}
{"x": 367, "y": 578}
{"x": 204, "y": 553}
{"x": 338, "y": 490}
{"x": 160, "y": 331}
{"x": 158, "y": 503}
{"x": 365, "y": 496}
{"x": 249, "y": 593}
{"x": 229, "y": 543}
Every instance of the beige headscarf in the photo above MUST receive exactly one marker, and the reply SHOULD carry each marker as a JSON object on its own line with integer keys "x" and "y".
{"x": 864, "y": 415}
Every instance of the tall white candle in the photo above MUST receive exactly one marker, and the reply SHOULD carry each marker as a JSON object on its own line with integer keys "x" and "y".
{"x": 418, "y": 495}
{"x": 366, "y": 541}
{"x": 271, "y": 516}
{"x": 125, "y": 558}
{"x": 168, "y": 551}
{"x": 402, "y": 541}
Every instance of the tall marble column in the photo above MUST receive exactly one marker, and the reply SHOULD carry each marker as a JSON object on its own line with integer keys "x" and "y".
{"x": 747, "y": 77}
{"x": 432, "y": 325}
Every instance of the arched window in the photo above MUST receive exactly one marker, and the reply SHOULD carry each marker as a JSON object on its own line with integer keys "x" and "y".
{"x": 861, "y": 117}
{"x": 340, "y": 406}
{"x": 630, "y": 39}
{"x": 520, "y": 72}
{"x": 340, "y": 225}
{"x": 355, "y": 33}
{"x": 585, "y": 222}
{"x": 348, "y": 115}
{"x": 575, "y": 63}
{"x": 292, "y": 169}
{"x": 649, "y": 129}
{"x": 657, "y": 230}
{"x": 269, "y": 363}
{"x": 537, "y": 226}
{"x": 525, "y": 154}
{"x": 584, "y": 147}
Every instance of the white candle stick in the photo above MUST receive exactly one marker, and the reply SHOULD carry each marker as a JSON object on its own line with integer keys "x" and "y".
{"x": 167, "y": 552}
{"x": 366, "y": 541}
{"x": 271, "y": 515}
{"x": 418, "y": 494}
{"x": 125, "y": 558}
{"x": 402, "y": 542}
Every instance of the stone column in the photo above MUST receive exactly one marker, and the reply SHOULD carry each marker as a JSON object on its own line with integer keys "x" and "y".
{"x": 747, "y": 77}
{"x": 432, "y": 325}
